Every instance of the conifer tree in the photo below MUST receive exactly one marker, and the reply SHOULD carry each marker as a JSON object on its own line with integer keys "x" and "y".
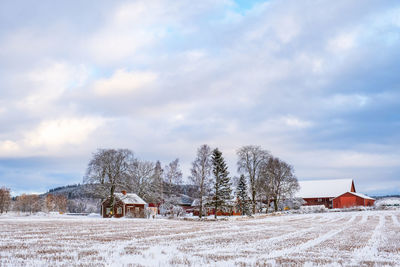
{"x": 222, "y": 187}
{"x": 242, "y": 196}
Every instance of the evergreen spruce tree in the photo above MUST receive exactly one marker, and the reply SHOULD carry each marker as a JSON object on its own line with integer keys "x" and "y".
{"x": 222, "y": 187}
{"x": 242, "y": 196}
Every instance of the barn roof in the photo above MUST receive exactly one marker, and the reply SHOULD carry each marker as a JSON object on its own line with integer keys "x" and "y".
{"x": 185, "y": 200}
{"x": 324, "y": 188}
{"x": 359, "y": 195}
{"x": 130, "y": 198}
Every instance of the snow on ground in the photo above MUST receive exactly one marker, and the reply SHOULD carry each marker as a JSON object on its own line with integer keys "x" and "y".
{"x": 389, "y": 201}
{"x": 363, "y": 238}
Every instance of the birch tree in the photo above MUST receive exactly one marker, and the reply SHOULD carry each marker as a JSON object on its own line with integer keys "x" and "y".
{"x": 250, "y": 161}
{"x": 201, "y": 170}
{"x": 158, "y": 183}
{"x": 173, "y": 174}
{"x": 140, "y": 179}
{"x": 281, "y": 180}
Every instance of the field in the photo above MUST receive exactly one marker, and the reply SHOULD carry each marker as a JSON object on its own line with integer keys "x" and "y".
{"x": 365, "y": 238}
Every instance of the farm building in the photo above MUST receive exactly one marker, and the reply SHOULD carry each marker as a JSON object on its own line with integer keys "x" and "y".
{"x": 185, "y": 202}
{"x": 351, "y": 199}
{"x": 126, "y": 204}
{"x": 322, "y": 192}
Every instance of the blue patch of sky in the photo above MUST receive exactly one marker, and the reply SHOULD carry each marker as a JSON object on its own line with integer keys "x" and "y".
{"x": 244, "y": 5}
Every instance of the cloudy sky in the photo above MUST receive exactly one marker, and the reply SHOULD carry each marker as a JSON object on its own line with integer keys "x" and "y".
{"x": 317, "y": 83}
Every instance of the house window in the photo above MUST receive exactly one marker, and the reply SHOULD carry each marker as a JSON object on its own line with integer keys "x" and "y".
{"x": 108, "y": 210}
{"x": 119, "y": 210}
{"x": 319, "y": 199}
{"x": 137, "y": 209}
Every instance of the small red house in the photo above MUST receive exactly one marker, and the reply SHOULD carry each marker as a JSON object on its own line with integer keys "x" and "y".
{"x": 125, "y": 204}
{"x": 352, "y": 199}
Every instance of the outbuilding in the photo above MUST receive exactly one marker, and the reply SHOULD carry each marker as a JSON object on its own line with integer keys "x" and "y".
{"x": 125, "y": 204}
{"x": 322, "y": 192}
{"x": 352, "y": 199}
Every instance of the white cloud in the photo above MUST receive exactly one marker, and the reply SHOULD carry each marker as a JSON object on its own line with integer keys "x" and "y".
{"x": 53, "y": 137}
{"x": 123, "y": 82}
{"x": 49, "y": 83}
{"x": 342, "y": 42}
{"x": 346, "y": 102}
{"x": 287, "y": 28}
{"x": 67, "y": 131}
{"x": 340, "y": 161}
{"x": 130, "y": 27}
{"x": 8, "y": 146}
{"x": 296, "y": 122}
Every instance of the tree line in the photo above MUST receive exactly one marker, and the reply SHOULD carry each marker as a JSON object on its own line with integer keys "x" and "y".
{"x": 32, "y": 203}
{"x": 263, "y": 178}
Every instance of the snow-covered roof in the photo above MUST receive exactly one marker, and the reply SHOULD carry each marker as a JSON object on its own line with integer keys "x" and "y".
{"x": 323, "y": 188}
{"x": 359, "y": 195}
{"x": 130, "y": 198}
{"x": 196, "y": 202}
{"x": 185, "y": 200}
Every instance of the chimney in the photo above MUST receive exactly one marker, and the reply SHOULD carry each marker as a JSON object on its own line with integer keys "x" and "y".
{"x": 123, "y": 192}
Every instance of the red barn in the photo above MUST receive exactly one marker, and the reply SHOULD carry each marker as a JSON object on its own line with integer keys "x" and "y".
{"x": 130, "y": 205}
{"x": 352, "y": 199}
{"x": 322, "y": 192}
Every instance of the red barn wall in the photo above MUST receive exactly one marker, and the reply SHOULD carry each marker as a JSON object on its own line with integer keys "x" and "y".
{"x": 348, "y": 200}
{"x": 326, "y": 201}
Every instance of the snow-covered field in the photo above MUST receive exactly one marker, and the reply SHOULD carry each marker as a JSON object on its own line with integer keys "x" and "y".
{"x": 366, "y": 238}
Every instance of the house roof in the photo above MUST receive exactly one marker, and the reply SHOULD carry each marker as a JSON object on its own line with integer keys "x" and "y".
{"x": 359, "y": 195}
{"x": 323, "y": 188}
{"x": 130, "y": 198}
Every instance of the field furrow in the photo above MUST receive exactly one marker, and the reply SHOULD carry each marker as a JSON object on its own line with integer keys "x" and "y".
{"x": 367, "y": 238}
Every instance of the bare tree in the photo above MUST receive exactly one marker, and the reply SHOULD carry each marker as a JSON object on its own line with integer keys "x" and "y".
{"x": 50, "y": 202}
{"x": 264, "y": 185}
{"x": 158, "y": 183}
{"x": 250, "y": 161}
{"x": 107, "y": 170}
{"x": 173, "y": 174}
{"x": 201, "y": 170}
{"x": 28, "y": 203}
{"x": 61, "y": 203}
{"x": 140, "y": 179}
{"x": 5, "y": 199}
{"x": 281, "y": 181}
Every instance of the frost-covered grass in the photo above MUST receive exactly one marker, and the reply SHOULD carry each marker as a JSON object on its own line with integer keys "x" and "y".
{"x": 366, "y": 238}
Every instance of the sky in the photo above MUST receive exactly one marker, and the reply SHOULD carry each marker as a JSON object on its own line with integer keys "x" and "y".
{"x": 316, "y": 83}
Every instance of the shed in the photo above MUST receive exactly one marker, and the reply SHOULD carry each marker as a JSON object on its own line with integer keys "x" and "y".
{"x": 322, "y": 192}
{"x": 352, "y": 199}
{"x": 125, "y": 204}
